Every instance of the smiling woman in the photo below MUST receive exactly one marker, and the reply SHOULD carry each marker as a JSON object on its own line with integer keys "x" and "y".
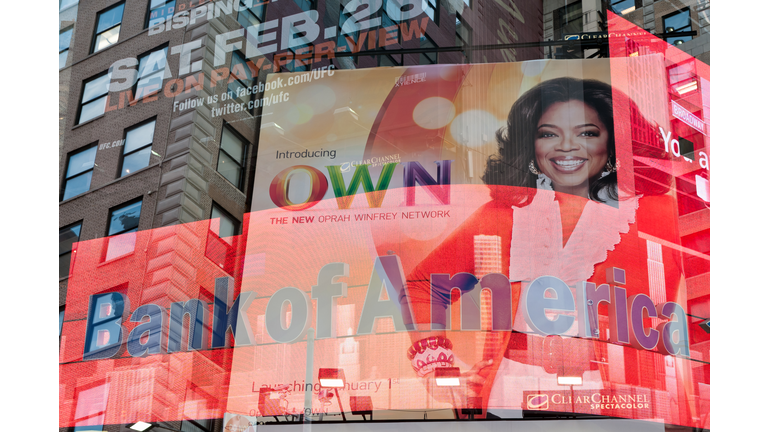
{"x": 556, "y": 212}
{"x": 572, "y": 146}
{"x": 560, "y": 132}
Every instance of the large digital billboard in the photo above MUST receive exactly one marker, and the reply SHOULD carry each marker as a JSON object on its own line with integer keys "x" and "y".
{"x": 490, "y": 240}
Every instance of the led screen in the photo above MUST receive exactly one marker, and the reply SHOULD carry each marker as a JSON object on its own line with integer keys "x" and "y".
{"x": 537, "y": 225}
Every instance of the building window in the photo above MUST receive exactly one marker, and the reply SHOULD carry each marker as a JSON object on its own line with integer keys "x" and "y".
{"x": 67, "y": 237}
{"x": 241, "y": 77}
{"x": 623, "y": 7}
{"x": 305, "y": 5}
{"x": 223, "y": 224}
{"x": 463, "y": 37}
{"x": 61, "y": 319}
{"x": 301, "y": 59}
{"x": 388, "y": 60}
{"x": 568, "y": 20}
{"x": 151, "y": 69}
{"x": 348, "y": 40}
{"x": 66, "y": 4}
{"x": 91, "y": 408}
{"x": 65, "y": 37}
{"x": 254, "y": 15}
{"x": 137, "y": 148}
{"x": 430, "y": 8}
{"x": 79, "y": 171}
{"x": 122, "y": 220}
{"x": 94, "y": 99}
{"x": 159, "y": 11}
{"x": 427, "y": 57}
{"x": 107, "y": 27}
{"x": 679, "y": 21}
{"x": 388, "y": 22}
{"x": 682, "y": 78}
{"x": 231, "y": 157}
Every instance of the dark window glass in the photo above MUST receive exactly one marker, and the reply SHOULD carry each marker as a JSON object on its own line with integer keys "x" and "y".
{"x": 77, "y": 179}
{"x": 159, "y": 11}
{"x": 388, "y": 60}
{"x": 150, "y": 76}
{"x": 107, "y": 27}
{"x": 568, "y": 20}
{"x": 61, "y": 319}
{"x": 241, "y": 73}
{"x": 94, "y": 99}
{"x": 197, "y": 425}
{"x": 65, "y": 38}
{"x": 254, "y": 15}
{"x": 123, "y": 220}
{"x": 67, "y": 237}
{"x": 231, "y": 156}
{"x": 223, "y": 224}
{"x": 428, "y": 57}
{"x": 137, "y": 148}
{"x": 679, "y": 21}
{"x": 305, "y": 5}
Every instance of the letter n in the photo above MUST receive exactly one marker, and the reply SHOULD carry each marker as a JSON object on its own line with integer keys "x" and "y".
{"x": 235, "y": 319}
{"x": 440, "y": 189}
{"x": 198, "y": 316}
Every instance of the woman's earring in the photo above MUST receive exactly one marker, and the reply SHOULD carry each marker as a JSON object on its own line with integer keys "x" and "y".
{"x": 532, "y": 168}
{"x": 609, "y": 167}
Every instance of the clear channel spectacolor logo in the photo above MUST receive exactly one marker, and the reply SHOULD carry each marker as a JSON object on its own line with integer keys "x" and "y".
{"x": 538, "y": 402}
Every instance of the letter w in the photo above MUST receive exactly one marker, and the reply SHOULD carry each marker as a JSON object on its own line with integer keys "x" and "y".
{"x": 344, "y": 196}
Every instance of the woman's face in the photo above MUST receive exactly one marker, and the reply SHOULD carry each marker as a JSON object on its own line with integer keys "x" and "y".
{"x": 571, "y": 146}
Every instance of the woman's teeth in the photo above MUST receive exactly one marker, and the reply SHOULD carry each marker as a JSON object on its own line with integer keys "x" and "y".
{"x": 570, "y": 164}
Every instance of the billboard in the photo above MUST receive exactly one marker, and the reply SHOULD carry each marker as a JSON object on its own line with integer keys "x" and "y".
{"x": 527, "y": 231}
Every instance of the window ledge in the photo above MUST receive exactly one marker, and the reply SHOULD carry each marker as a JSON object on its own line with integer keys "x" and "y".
{"x": 117, "y": 258}
{"x": 146, "y": 168}
{"x": 88, "y": 122}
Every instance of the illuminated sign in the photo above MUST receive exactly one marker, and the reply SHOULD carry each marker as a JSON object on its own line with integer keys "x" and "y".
{"x": 322, "y": 277}
{"x": 107, "y": 312}
{"x": 587, "y": 401}
{"x": 586, "y": 36}
{"x": 413, "y": 172}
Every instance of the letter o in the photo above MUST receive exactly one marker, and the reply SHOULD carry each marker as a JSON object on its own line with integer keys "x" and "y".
{"x": 179, "y": 88}
{"x": 675, "y": 144}
{"x": 299, "y": 315}
{"x": 278, "y": 189}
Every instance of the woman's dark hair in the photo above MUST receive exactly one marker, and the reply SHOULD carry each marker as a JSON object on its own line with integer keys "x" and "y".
{"x": 517, "y": 138}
